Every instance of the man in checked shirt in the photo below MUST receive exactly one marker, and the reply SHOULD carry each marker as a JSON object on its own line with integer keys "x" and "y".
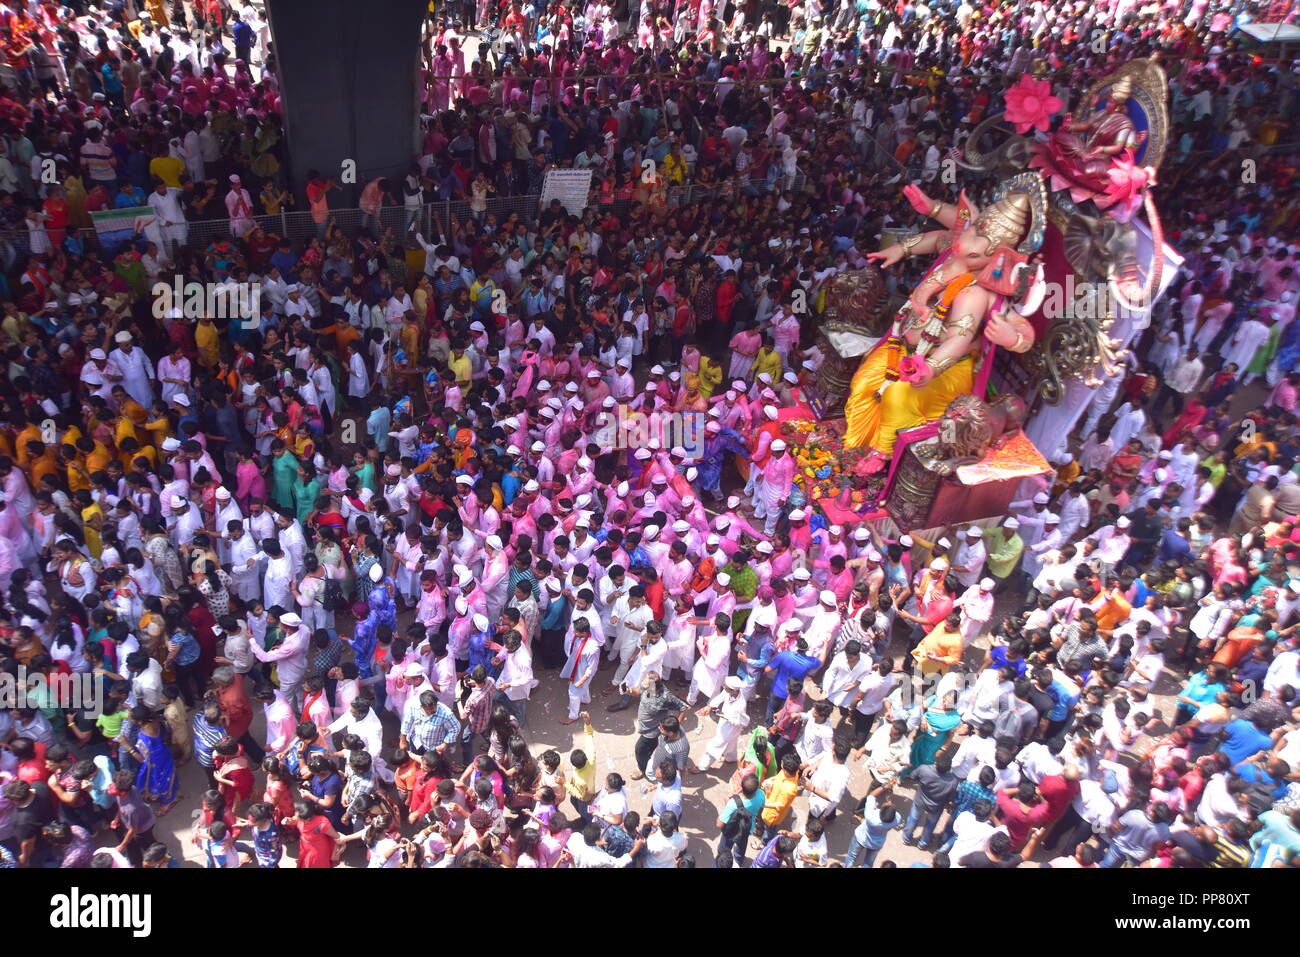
{"x": 432, "y": 728}
{"x": 476, "y": 710}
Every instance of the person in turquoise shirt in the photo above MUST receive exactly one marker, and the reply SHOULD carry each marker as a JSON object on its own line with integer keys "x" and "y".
{"x": 1201, "y": 689}
{"x": 1281, "y": 830}
{"x": 378, "y": 424}
{"x": 305, "y": 492}
{"x": 284, "y": 474}
{"x": 364, "y": 470}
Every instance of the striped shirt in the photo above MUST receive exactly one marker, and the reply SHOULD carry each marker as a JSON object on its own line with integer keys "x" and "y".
{"x": 516, "y": 576}
{"x": 206, "y": 737}
{"x": 96, "y": 157}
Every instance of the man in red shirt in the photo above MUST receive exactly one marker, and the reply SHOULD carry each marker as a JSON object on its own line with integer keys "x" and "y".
{"x": 1020, "y": 811}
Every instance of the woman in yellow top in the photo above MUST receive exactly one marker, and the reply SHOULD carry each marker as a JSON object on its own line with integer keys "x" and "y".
{"x": 940, "y": 650}
{"x": 273, "y": 200}
{"x": 31, "y": 432}
{"x": 710, "y": 376}
{"x": 207, "y": 342}
{"x": 92, "y": 520}
{"x": 74, "y": 194}
{"x": 124, "y": 429}
{"x": 159, "y": 427}
{"x": 768, "y": 360}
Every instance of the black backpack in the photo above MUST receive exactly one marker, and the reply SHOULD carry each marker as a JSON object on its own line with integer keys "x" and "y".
{"x": 333, "y": 599}
{"x": 739, "y": 824}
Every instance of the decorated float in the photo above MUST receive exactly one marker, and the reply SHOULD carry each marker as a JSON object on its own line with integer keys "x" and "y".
{"x": 1054, "y": 243}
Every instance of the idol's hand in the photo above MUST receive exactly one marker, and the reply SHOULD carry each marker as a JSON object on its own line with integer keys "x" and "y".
{"x": 916, "y": 196}
{"x": 888, "y": 256}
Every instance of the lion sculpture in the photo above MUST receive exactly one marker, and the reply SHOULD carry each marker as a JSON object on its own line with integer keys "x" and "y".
{"x": 969, "y": 428}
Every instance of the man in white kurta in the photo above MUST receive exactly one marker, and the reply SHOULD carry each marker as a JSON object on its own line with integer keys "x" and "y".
{"x": 1243, "y": 345}
{"x": 733, "y": 718}
{"x": 583, "y": 651}
{"x": 243, "y": 549}
{"x": 628, "y": 618}
{"x": 976, "y": 604}
{"x": 516, "y": 682}
{"x": 239, "y": 205}
{"x": 136, "y": 368}
{"x": 290, "y": 657}
{"x": 714, "y": 647}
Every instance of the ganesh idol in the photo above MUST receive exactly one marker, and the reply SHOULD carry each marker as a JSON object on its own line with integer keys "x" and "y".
{"x": 972, "y": 300}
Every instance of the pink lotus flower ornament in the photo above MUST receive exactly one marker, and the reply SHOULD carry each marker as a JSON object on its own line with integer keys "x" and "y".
{"x": 1124, "y": 192}
{"x": 1030, "y": 104}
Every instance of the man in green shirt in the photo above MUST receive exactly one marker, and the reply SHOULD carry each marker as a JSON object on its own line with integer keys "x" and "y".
{"x": 1004, "y": 549}
{"x": 744, "y": 585}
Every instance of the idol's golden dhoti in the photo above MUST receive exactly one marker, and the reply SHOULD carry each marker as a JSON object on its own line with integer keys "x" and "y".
{"x": 876, "y": 424}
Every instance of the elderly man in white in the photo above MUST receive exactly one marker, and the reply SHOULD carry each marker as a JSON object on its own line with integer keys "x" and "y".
{"x": 136, "y": 368}
{"x": 290, "y": 657}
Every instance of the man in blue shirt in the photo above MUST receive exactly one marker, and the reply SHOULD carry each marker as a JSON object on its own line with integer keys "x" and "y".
{"x": 128, "y": 195}
{"x": 1173, "y": 544}
{"x": 1243, "y": 739}
{"x": 797, "y": 664}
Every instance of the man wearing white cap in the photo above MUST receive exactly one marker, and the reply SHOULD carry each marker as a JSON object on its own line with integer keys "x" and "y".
{"x": 621, "y": 384}
{"x": 968, "y": 563}
{"x": 720, "y": 441}
{"x": 976, "y": 604}
{"x": 135, "y": 367}
{"x": 239, "y": 205}
{"x": 806, "y": 596}
{"x": 1032, "y": 514}
{"x": 290, "y": 657}
{"x": 729, "y": 707}
{"x": 227, "y": 511}
{"x": 1005, "y": 547}
{"x": 1112, "y": 542}
{"x": 183, "y": 521}
{"x": 100, "y": 374}
{"x": 1034, "y": 555}
{"x": 767, "y": 431}
{"x": 825, "y": 621}
{"x": 496, "y": 576}
{"x": 775, "y": 485}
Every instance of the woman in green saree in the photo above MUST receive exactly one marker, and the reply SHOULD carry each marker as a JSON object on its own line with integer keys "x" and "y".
{"x": 937, "y": 724}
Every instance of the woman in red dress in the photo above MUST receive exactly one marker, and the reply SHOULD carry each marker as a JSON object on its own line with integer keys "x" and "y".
{"x": 317, "y": 839}
{"x": 234, "y": 773}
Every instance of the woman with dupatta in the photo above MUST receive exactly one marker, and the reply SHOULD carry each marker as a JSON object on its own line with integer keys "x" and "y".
{"x": 938, "y": 721}
{"x": 155, "y": 778}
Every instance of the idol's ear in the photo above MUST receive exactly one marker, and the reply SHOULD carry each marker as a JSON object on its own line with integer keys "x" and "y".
{"x": 967, "y": 211}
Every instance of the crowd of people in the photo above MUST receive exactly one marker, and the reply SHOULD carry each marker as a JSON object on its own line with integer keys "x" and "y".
{"x": 319, "y": 558}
